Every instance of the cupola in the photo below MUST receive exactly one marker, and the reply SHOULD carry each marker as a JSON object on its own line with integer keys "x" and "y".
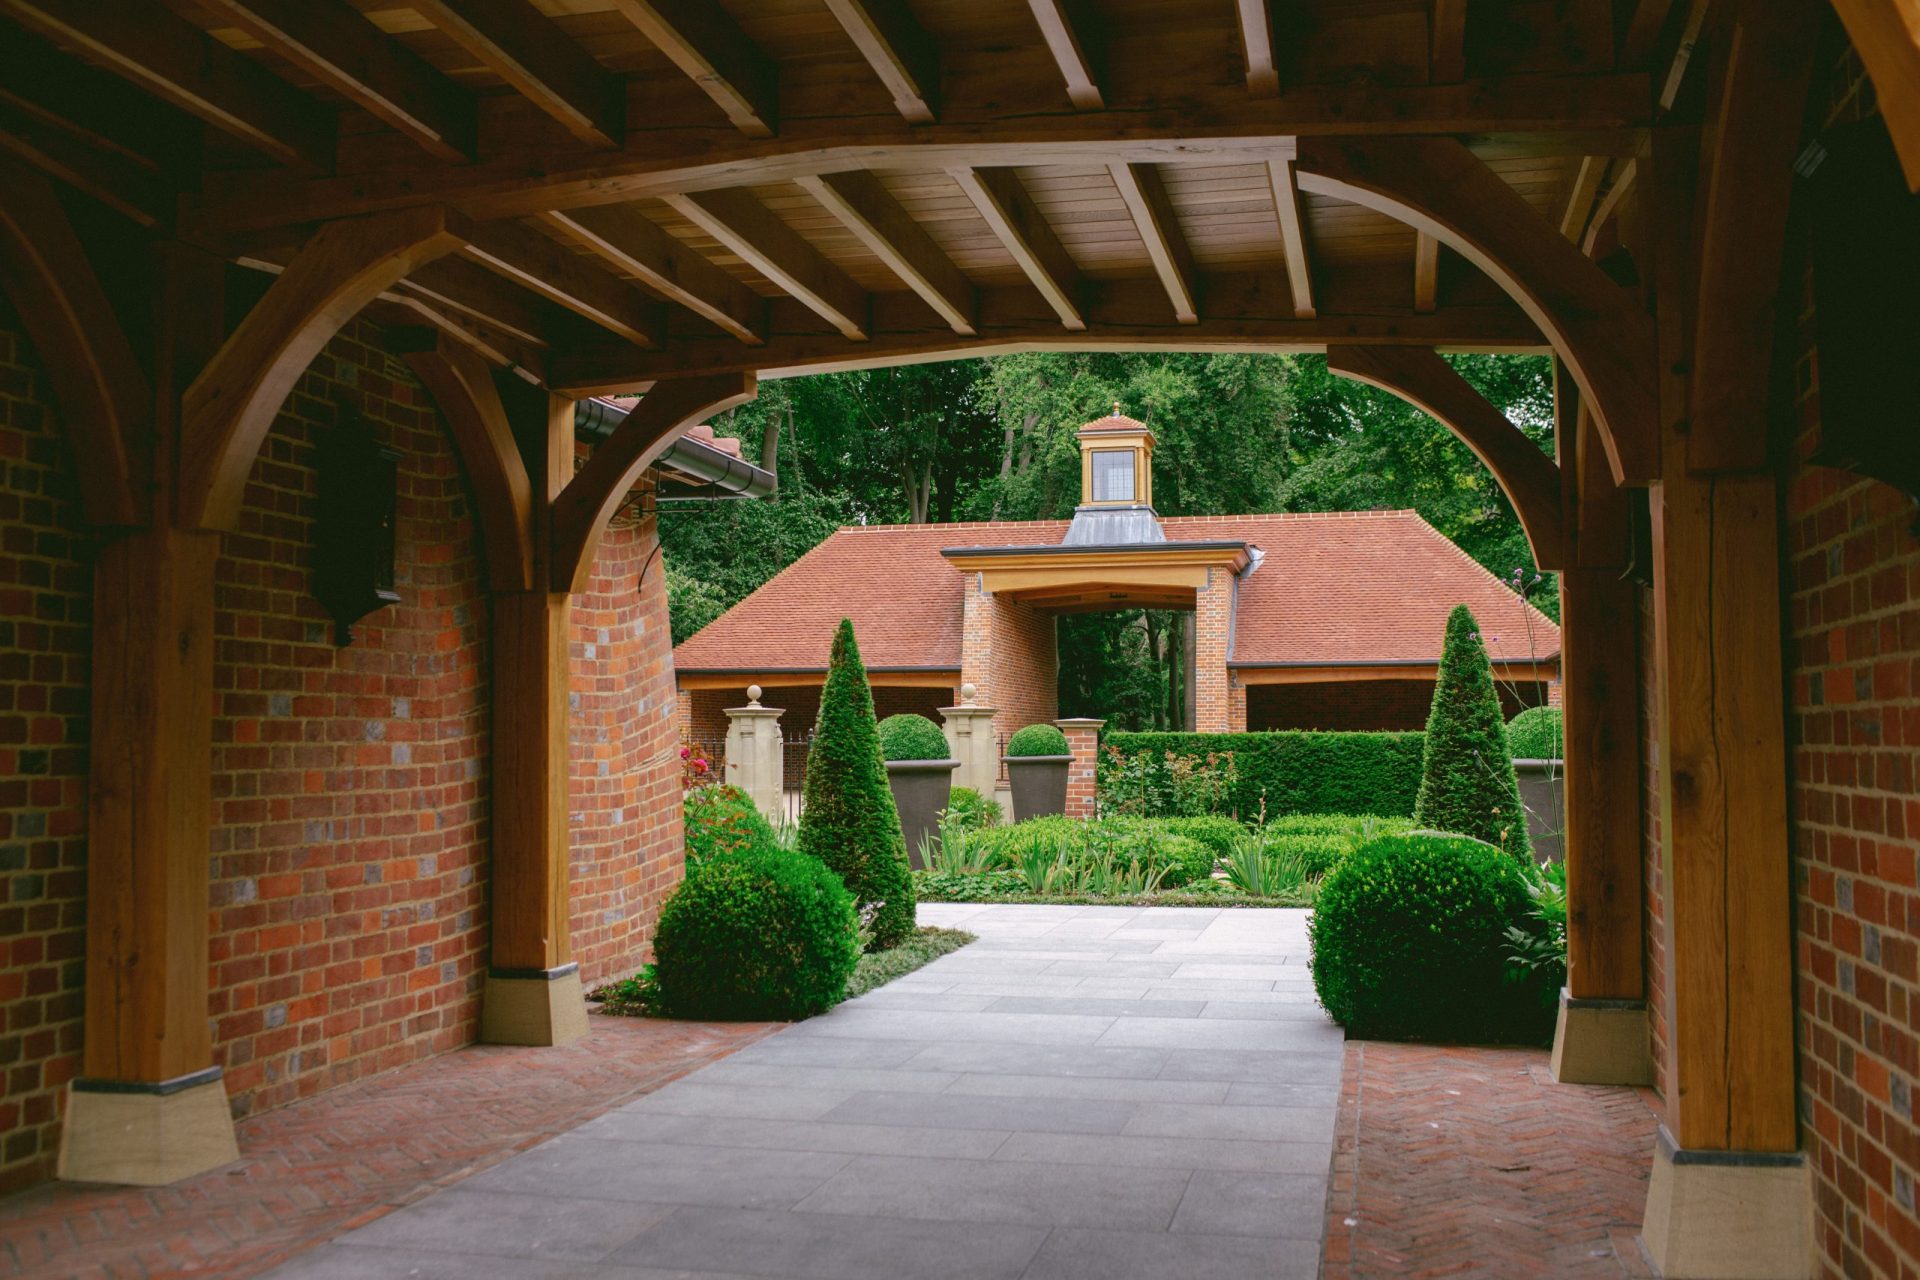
{"x": 1116, "y": 484}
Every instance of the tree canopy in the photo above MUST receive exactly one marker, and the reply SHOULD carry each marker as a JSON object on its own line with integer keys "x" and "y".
{"x": 995, "y": 440}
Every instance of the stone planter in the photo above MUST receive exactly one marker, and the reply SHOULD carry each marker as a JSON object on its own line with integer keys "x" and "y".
{"x": 1542, "y": 794}
{"x": 920, "y": 791}
{"x": 1039, "y": 785}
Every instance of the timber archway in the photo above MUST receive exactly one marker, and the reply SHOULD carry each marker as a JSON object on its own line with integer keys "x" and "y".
{"x": 677, "y": 199}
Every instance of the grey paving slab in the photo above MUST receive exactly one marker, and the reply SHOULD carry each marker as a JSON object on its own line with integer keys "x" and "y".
{"x": 1089, "y": 1092}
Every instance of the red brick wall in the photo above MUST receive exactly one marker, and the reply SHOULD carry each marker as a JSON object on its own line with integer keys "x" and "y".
{"x": 349, "y": 851}
{"x": 1024, "y": 686}
{"x": 45, "y": 594}
{"x": 625, "y": 821}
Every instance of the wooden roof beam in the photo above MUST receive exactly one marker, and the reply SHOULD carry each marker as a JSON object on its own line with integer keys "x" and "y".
{"x": 1293, "y": 234}
{"x": 133, "y": 191}
{"x": 529, "y": 51}
{"x": 95, "y": 106}
{"x": 1426, "y": 273}
{"x": 1076, "y": 50}
{"x": 1146, "y": 200}
{"x": 1016, "y": 221}
{"x": 335, "y": 43}
{"x": 1887, "y": 35}
{"x": 1256, "y": 43}
{"x": 1448, "y": 42}
{"x": 1586, "y": 185}
{"x": 700, "y": 39}
{"x": 630, "y": 242}
{"x": 536, "y": 262}
{"x": 867, "y": 209}
{"x": 778, "y": 252}
{"x": 480, "y": 293}
{"x": 179, "y": 63}
{"x": 899, "y": 50}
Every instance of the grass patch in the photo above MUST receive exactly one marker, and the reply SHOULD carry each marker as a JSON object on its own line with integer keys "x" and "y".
{"x": 637, "y": 997}
{"x": 923, "y": 946}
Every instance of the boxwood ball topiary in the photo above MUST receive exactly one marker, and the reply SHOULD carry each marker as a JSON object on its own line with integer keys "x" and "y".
{"x": 758, "y": 934}
{"x": 848, "y": 819}
{"x": 1467, "y": 783}
{"x": 1409, "y": 942}
{"x": 1038, "y": 740}
{"x": 1536, "y": 734}
{"x": 911, "y": 737}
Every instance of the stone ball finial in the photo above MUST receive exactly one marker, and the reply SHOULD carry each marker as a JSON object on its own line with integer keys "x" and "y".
{"x": 1116, "y": 408}
{"x": 968, "y": 692}
{"x": 753, "y": 695}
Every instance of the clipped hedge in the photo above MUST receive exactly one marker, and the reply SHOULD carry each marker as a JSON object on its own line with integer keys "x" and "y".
{"x": 758, "y": 934}
{"x": 1288, "y": 772}
{"x": 1218, "y": 834}
{"x": 1536, "y": 734}
{"x": 1038, "y": 740}
{"x": 911, "y": 737}
{"x": 1410, "y": 942}
{"x": 721, "y": 819}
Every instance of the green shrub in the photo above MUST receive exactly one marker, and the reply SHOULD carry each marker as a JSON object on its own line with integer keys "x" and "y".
{"x": 1409, "y": 937}
{"x": 1467, "y": 783}
{"x": 968, "y": 810}
{"x": 1319, "y": 841}
{"x": 911, "y": 737}
{"x": 1154, "y": 844}
{"x": 1218, "y": 834}
{"x": 1536, "y": 734}
{"x": 758, "y": 934}
{"x": 1038, "y": 740}
{"x": 847, "y": 818}
{"x": 1260, "y": 774}
{"x": 721, "y": 819}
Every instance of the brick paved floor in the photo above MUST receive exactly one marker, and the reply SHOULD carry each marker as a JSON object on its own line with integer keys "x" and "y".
{"x": 316, "y": 1168}
{"x": 1473, "y": 1162}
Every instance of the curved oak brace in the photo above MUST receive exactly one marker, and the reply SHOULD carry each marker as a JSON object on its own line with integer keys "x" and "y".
{"x": 581, "y": 512}
{"x": 1887, "y": 35}
{"x": 226, "y": 412}
{"x": 105, "y": 399}
{"x": 461, "y": 383}
{"x": 1438, "y": 186}
{"x": 1420, "y": 377}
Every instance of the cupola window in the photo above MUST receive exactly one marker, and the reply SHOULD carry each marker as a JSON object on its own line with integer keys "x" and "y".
{"x": 1113, "y": 475}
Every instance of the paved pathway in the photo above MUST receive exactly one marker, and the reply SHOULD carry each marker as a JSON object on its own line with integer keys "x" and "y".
{"x": 1087, "y": 1093}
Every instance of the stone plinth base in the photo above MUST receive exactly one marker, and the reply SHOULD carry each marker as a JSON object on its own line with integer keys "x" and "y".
{"x": 1601, "y": 1042}
{"x": 533, "y": 1006}
{"x": 1728, "y": 1215}
{"x": 146, "y": 1135}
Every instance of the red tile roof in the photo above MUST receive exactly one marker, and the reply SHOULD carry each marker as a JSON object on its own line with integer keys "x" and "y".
{"x": 1115, "y": 421}
{"x": 1332, "y": 589}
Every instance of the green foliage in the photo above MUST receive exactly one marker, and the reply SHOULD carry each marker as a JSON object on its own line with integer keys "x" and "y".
{"x": 1218, "y": 834}
{"x": 1260, "y": 774}
{"x": 912, "y": 737}
{"x": 1467, "y": 783}
{"x": 1038, "y": 740}
{"x": 717, "y": 553}
{"x": 758, "y": 934}
{"x": 1156, "y": 845}
{"x": 968, "y": 810}
{"x": 1539, "y": 946}
{"x": 847, "y": 817}
{"x": 1409, "y": 939}
{"x": 1320, "y": 841}
{"x": 926, "y": 945}
{"x": 1536, "y": 734}
{"x": 721, "y": 819}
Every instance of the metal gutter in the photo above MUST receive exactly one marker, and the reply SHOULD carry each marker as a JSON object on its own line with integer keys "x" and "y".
{"x": 1256, "y": 664}
{"x": 595, "y": 419}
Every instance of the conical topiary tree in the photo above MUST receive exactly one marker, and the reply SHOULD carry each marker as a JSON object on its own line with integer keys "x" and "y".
{"x": 847, "y": 818}
{"x": 1467, "y": 783}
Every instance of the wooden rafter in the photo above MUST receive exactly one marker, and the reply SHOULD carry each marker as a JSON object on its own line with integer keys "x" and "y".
{"x": 581, "y": 512}
{"x": 700, "y": 39}
{"x": 1076, "y": 49}
{"x": 175, "y": 61}
{"x": 462, "y": 386}
{"x": 105, "y": 400}
{"x": 1016, "y": 221}
{"x": 870, "y": 212}
{"x": 1669, "y": 77}
{"x": 630, "y": 242}
{"x": 130, "y": 189}
{"x": 1620, "y": 181}
{"x": 1448, "y": 41}
{"x": 529, "y": 175}
{"x": 1642, "y": 36}
{"x": 96, "y": 107}
{"x": 777, "y": 251}
{"x": 332, "y": 41}
{"x": 1153, "y": 216}
{"x": 1426, "y": 273}
{"x": 1439, "y": 187}
{"x": 1293, "y": 234}
{"x": 1423, "y": 379}
{"x": 1243, "y": 313}
{"x": 227, "y": 410}
{"x": 529, "y": 51}
{"x": 1586, "y": 185}
{"x": 400, "y": 308}
{"x": 534, "y": 261}
{"x": 1256, "y": 45}
{"x": 899, "y": 50}
{"x": 482, "y": 294}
